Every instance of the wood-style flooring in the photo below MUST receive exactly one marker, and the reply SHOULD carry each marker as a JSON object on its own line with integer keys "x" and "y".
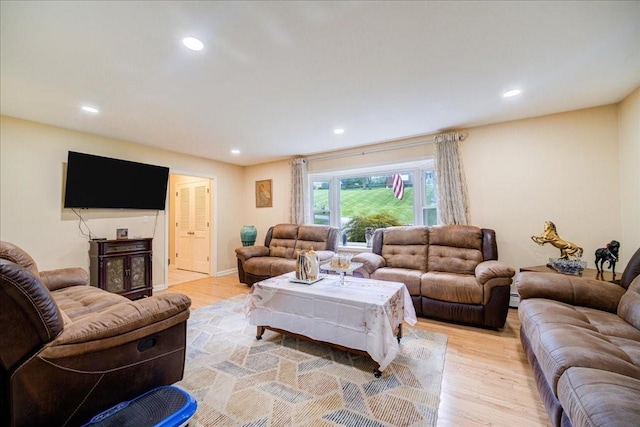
{"x": 487, "y": 380}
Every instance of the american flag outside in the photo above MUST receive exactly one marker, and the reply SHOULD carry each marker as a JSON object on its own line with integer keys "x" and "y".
{"x": 398, "y": 186}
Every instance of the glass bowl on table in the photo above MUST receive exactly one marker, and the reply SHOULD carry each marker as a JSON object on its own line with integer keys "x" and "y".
{"x": 342, "y": 265}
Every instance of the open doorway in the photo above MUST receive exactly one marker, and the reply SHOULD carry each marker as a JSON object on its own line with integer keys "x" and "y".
{"x": 190, "y": 228}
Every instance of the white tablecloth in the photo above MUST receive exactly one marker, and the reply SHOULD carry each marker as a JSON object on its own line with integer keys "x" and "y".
{"x": 363, "y": 315}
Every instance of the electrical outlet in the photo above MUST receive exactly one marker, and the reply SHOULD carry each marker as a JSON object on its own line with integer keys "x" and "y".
{"x": 145, "y": 219}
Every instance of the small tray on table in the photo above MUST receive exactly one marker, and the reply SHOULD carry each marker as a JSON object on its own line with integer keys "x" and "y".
{"x": 307, "y": 282}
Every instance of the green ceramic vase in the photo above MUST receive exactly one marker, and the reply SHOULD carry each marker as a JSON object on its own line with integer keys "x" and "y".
{"x": 248, "y": 235}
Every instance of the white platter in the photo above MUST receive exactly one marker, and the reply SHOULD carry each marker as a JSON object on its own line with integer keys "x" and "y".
{"x": 306, "y": 282}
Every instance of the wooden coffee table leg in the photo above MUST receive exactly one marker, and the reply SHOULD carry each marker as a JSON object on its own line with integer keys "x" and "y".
{"x": 376, "y": 371}
{"x": 399, "y": 332}
{"x": 259, "y": 332}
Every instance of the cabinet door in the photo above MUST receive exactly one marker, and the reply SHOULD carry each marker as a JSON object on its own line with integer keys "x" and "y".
{"x": 115, "y": 269}
{"x": 138, "y": 271}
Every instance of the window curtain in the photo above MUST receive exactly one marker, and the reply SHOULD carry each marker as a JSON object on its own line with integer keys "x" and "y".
{"x": 299, "y": 192}
{"x": 453, "y": 206}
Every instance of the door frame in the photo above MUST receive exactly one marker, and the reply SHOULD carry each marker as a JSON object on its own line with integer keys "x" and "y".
{"x": 195, "y": 236}
{"x": 213, "y": 212}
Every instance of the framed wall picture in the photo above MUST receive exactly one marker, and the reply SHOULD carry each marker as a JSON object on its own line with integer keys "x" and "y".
{"x": 264, "y": 197}
{"x": 122, "y": 233}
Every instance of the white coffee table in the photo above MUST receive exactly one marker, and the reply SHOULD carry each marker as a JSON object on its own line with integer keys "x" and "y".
{"x": 364, "y": 316}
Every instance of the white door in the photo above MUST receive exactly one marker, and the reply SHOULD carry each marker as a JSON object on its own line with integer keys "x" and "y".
{"x": 193, "y": 231}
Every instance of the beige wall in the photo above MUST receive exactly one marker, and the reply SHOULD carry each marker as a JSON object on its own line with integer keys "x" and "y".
{"x": 405, "y": 150}
{"x": 263, "y": 218}
{"x": 32, "y": 159}
{"x": 280, "y": 173}
{"x": 556, "y": 168}
{"x": 579, "y": 169}
{"x": 522, "y": 173}
{"x": 629, "y": 134}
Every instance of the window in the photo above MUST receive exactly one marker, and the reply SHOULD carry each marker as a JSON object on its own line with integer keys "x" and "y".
{"x": 353, "y": 200}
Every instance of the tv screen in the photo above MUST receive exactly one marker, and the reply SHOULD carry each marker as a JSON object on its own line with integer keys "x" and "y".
{"x": 103, "y": 182}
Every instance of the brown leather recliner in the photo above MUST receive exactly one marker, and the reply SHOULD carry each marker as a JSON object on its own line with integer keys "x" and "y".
{"x": 452, "y": 272}
{"x": 582, "y": 339}
{"x": 68, "y": 350}
{"x": 281, "y": 244}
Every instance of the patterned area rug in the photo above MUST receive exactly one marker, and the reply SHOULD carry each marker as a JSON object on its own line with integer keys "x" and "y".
{"x": 283, "y": 381}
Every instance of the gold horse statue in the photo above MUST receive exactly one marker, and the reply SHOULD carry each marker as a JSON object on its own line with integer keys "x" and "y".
{"x": 550, "y": 235}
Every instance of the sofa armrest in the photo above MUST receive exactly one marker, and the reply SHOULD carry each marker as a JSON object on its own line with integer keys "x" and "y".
{"x": 246, "y": 252}
{"x": 324, "y": 255}
{"x": 488, "y": 270}
{"x": 493, "y": 274}
{"x": 64, "y": 277}
{"x": 115, "y": 322}
{"x": 370, "y": 263}
{"x": 573, "y": 290}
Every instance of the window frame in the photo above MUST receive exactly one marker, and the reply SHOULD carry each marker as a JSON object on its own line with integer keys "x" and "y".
{"x": 417, "y": 168}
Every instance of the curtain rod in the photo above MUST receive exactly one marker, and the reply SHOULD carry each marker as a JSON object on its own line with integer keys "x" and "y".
{"x": 463, "y": 136}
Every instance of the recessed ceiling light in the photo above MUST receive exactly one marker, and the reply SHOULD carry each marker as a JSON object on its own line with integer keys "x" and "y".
{"x": 235, "y": 151}
{"x": 89, "y": 109}
{"x": 338, "y": 131}
{"x": 192, "y": 43}
{"x": 511, "y": 93}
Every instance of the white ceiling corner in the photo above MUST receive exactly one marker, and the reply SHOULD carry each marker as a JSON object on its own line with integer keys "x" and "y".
{"x": 275, "y": 78}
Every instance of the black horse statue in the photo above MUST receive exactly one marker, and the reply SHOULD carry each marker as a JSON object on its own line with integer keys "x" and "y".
{"x": 608, "y": 253}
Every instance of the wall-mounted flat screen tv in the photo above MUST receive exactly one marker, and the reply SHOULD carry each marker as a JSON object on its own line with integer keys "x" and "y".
{"x": 102, "y": 182}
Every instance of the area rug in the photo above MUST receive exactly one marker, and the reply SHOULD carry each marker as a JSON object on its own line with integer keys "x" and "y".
{"x": 284, "y": 381}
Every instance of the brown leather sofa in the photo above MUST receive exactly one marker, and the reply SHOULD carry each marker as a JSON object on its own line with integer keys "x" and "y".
{"x": 281, "y": 245}
{"x": 68, "y": 350}
{"x": 582, "y": 339}
{"x": 451, "y": 271}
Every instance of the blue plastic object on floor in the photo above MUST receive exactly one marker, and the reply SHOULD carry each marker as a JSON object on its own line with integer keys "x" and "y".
{"x": 166, "y": 406}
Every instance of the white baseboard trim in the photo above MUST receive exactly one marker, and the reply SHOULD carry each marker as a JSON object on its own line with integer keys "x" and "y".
{"x": 227, "y": 272}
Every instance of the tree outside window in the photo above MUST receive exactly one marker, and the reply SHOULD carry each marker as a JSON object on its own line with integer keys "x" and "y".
{"x": 352, "y": 202}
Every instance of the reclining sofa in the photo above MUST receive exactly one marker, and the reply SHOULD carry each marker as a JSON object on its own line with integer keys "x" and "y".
{"x": 582, "y": 339}
{"x": 69, "y": 351}
{"x": 281, "y": 246}
{"x": 451, "y": 271}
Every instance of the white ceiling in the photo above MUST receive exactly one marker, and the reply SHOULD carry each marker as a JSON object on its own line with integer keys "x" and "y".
{"x": 275, "y": 78}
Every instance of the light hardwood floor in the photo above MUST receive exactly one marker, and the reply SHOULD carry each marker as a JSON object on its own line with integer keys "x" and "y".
{"x": 487, "y": 380}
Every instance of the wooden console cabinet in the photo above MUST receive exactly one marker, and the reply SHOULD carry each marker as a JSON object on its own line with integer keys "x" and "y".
{"x": 122, "y": 266}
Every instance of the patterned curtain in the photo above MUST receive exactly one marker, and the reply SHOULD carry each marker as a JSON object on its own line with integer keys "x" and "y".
{"x": 453, "y": 207}
{"x": 299, "y": 192}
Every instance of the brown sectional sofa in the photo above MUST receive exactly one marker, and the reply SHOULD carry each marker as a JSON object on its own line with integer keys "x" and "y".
{"x": 582, "y": 339}
{"x": 451, "y": 271}
{"x": 281, "y": 245}
{"x": 69, "y": 351}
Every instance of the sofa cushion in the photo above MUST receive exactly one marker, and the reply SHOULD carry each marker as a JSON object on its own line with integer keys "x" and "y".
{"x": 572, "y": 290}
{"x": 283, "y": 240}
{"x": 312, "y": 236}
{"x": 28, "y": 313}
{"x": 629, "y": 306}
{"x": 260, "y": 266}
{"x": 15, "y": 254}
{"x": 77, "y": 301}
{"x": 406, "y": 247}
{"x": 564, "y": 336}
{"x": 451, "y": 287}
{"x": 411, "y": 278}
{"x": 593, "y": 397}
{"x": 455, "y": 249}
{"x": 281, "y": 266}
